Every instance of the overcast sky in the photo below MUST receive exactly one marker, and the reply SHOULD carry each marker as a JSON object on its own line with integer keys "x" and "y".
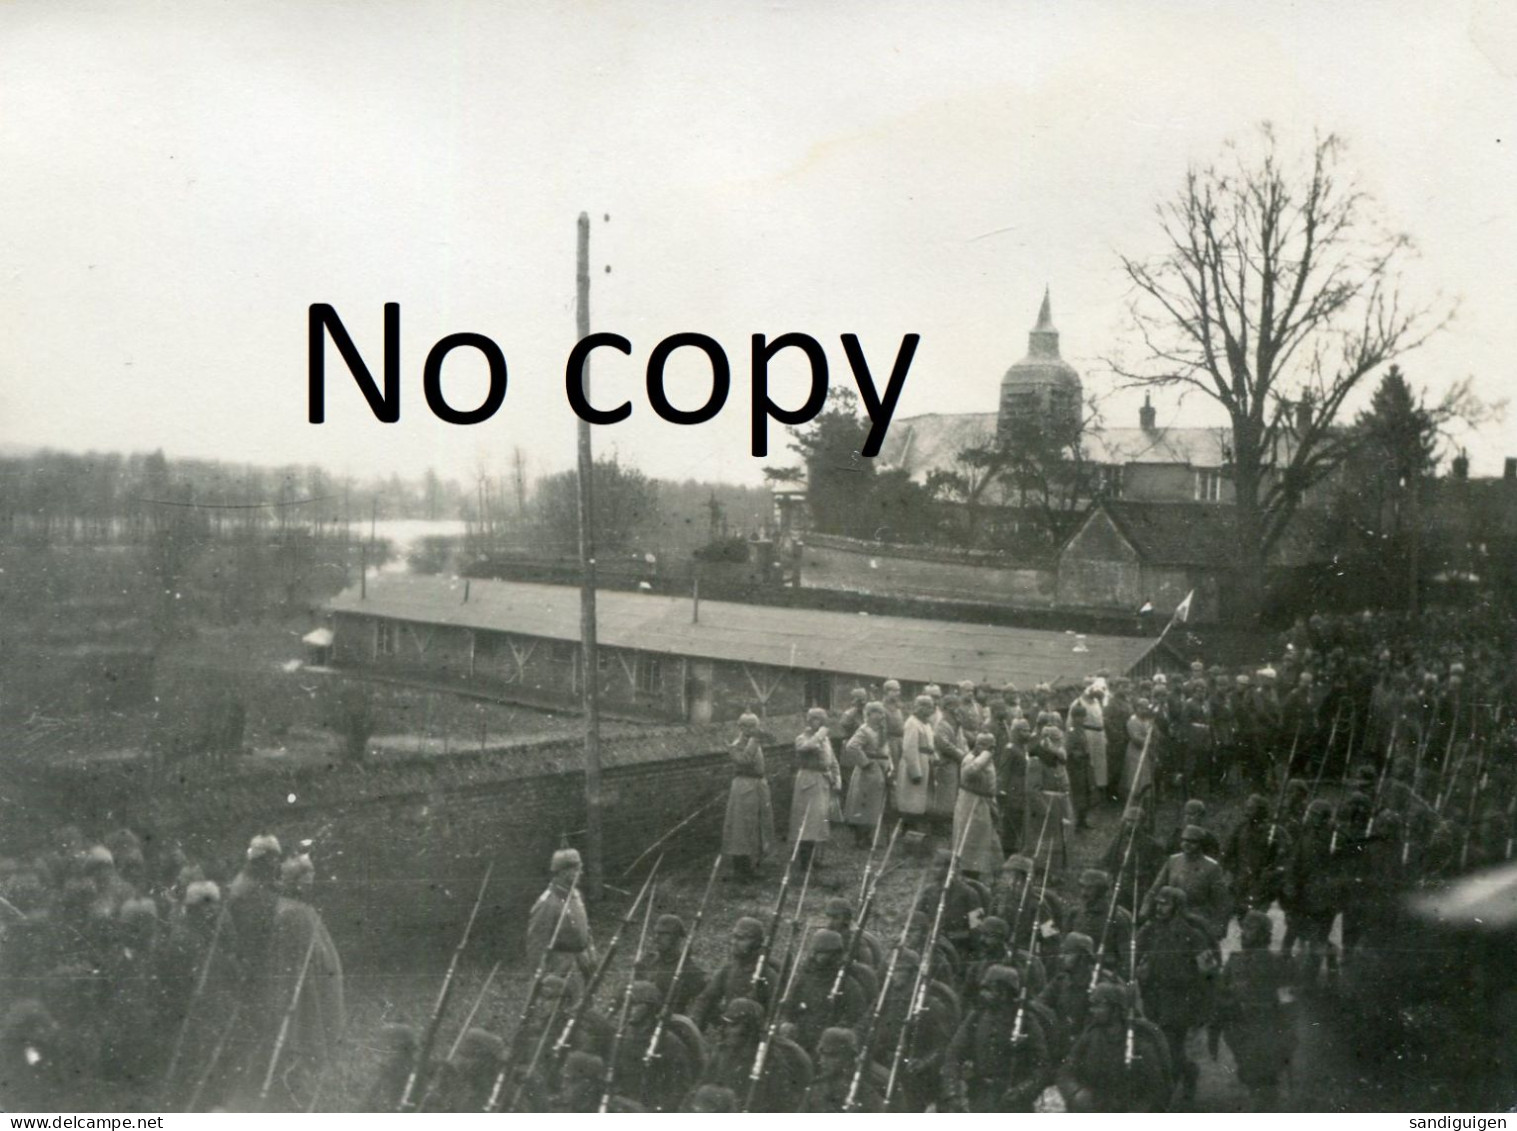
{"x": 181, "y": 180}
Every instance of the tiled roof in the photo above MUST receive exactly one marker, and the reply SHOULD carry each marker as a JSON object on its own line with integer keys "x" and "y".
{"x": 923, "y": 444}
{"x": 1191, "y": 534}
{"x": 1206, "y": 534}
{"x": 878, "y": 647}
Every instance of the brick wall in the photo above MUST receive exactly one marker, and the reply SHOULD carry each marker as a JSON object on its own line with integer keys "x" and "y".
{"x": 401, "y": 845}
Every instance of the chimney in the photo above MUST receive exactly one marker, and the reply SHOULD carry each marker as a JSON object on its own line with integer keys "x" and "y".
{"x": 1510, "y": 473}
{"x": 1461, "y": 465}
{"x": 1146, "y": 415}
{"x": 1303, "y": 414}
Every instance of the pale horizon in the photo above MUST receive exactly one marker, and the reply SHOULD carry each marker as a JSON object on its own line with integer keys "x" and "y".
{"x": 183, "y": 183}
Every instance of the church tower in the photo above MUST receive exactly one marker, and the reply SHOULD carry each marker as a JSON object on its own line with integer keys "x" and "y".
{"x": 1042, "y": 387}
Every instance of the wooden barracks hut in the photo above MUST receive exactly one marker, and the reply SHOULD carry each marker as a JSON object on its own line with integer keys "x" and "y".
{"x": 658, "y": 659}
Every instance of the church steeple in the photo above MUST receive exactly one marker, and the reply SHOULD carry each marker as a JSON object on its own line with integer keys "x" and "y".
{"x": 1042, "y": 387}
{"x": 1044, "y": 339}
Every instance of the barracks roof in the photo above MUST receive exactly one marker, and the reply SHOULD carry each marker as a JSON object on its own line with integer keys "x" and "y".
{"x": 877, "y": 646}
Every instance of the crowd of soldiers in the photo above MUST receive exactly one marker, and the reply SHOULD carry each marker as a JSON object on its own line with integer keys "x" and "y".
{"x": 1372, "y": 755}
{"x": 130, "y": 984}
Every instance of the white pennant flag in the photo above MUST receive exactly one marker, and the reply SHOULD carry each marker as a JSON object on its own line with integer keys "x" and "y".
{"x": 1182, "y": 610}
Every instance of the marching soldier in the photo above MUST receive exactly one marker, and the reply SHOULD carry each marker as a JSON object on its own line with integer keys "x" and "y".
{"x": 809, "y": 1009}
{"x": 1194, "y": 813}
{"x": 663, "y": 956}
{"x": 581, "y": 1085}
{"x": 1252, "y": 1018}
{"x": 869, "y": 951}
{"x": 398, "y": 1045}
{"x": 787, "y": 1070}
{"x": 947, "y": 960}
{"x": 1200, "y": 878}
{"x": 1176, "y": 968}
{"x": 963, "y": 907}
{"x": 1251, "y": 856}
{"x": 1108, "y": 926}
{"x": 1099, "y": 1076}
{"x": 468, "y": 1076}
{"x": 1017, "y": 901}
{"x": 1067, "y": 993}
{"x": 999, "y": 1058}
{"x": 918, "y": 1071}
{"x": 678, "y": 1065}
{"x": 739, "y": 975}
{"x": 836, "y": 1054}
{"x": 290, "y": 997}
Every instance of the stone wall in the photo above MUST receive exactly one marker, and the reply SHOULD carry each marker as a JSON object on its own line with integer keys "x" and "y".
{"x": 924, "y": 574}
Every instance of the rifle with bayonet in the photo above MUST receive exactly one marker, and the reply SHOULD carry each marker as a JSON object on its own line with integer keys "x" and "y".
{"x": 666, "y": 1009}
{"x": 534, "y": 989}
{"x": 189, "y": 1009}
{"x": 1385, "y": 769}
{"x": 924, "y": 972}
{"x": 766, "y": 1041}
{"x": 479, "y": 1000}
{"x": 621, "y": 1022}
{"x": 1032, "y": 939}
{"x": 861, "y": 923}
{"x": 285, "y": 1021}
{"x": 774, "y": 924}
{"x": 1285, "y": 780}
{"x": 1135, "y": 994}
{"x": 210, "y": 1066}
{"x": 598, "y": 975}
{"x": 793, "y": 958}
{"x": 1111, "y": 908}
{"x": 866, "y": 1040}
{"x": 874, "y": 843}
{"x": 409, "y": 1096}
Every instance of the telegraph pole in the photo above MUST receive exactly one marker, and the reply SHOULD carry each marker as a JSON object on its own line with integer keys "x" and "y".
{"x": 590, "y": 685}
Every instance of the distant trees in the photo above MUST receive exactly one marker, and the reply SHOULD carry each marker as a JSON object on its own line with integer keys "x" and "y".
{"x": 1276, "y": 293}
{"x": 624, "y": 499}
{"x": 1393, "y": 446}
{"x": 845, "y": 492}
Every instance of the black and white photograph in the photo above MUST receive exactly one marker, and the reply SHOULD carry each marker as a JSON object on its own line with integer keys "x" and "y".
{"x": 822, "y": 558}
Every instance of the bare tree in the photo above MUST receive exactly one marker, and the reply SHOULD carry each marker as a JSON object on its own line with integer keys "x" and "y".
{"x": 1037, "y": 465}
{"x": 1278, "y": 293}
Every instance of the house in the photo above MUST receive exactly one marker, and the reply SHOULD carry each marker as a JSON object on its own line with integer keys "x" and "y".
{"x": 1127, "y": 553}
{"x": 1149, "y": 463}
{"x": 658, "y": 659}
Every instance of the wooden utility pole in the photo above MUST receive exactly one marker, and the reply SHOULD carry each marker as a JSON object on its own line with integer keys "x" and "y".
{"x": 590, "y": 682}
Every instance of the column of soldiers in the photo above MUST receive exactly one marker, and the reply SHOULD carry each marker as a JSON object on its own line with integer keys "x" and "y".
{"x": 157, "y": 988}
{"x": 1014, "y": 980}
{"x": 1372, "y": 754}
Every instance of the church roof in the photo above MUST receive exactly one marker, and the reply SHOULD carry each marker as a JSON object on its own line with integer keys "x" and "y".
{"x": 920, "y": 445}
